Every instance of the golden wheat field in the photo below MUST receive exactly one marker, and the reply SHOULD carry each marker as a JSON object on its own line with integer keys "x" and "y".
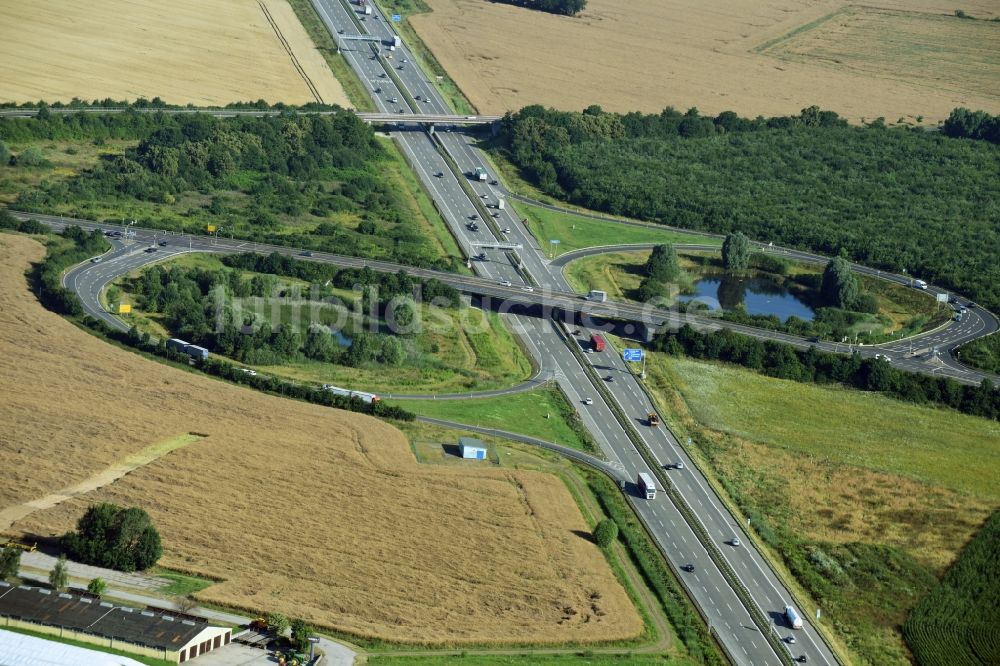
{"x": 183, "y": 51}
{"x": 759, "y": 57}
{"x": 300, "y": 509}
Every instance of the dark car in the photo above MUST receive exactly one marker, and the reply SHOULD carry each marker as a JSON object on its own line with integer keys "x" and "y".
{"x": 150, "y": 249}
{"x": 688, "y": 567}
{"x": 163, "y": 243}
{"x": 609, "y": 378}
{"x": 307, "y": 253}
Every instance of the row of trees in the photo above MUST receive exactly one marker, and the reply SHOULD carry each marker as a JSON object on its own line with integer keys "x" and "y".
{"x": 900, "y": 199}
{"x": 811, "y": 365}
{"x": 564, "y": 7}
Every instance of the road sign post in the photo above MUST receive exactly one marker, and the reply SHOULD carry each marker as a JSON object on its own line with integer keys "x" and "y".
{"x": 552, "y": 246}
{"x": 396, "y": 18}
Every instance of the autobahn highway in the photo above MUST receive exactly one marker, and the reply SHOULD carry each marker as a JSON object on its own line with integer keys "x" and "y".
{"x": 732, "y": 622}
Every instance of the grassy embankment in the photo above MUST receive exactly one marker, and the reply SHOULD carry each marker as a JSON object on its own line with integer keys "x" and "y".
{"x": 544, "y": 413}
{"x": 455, "y": 350}
{"x": 902, "y": 310}
{"x": 983, "y": 353}
{"x": 436, "y": 73}
{"x": 864, "y": 500}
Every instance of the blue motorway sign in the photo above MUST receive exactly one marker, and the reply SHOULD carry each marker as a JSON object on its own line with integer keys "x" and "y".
{"x": 397, "y": 18}
{"x": 632, "y": 354}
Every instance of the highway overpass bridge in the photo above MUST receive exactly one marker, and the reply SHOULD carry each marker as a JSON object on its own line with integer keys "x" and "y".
{"x": 374, "y": 118}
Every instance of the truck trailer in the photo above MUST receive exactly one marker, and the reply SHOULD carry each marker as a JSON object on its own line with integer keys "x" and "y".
{"x": 481, "y": 174}
{"x": 177, "y": 345}
{"x": 370, "y": 398}
{"x": 794, "y": 621}
{"x": 646, "y": 486}
{"x": 194, "y": 351}
{"x": 597, "y": 342}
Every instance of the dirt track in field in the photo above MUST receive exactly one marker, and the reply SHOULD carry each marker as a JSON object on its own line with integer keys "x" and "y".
{"x": 309, "y": 511}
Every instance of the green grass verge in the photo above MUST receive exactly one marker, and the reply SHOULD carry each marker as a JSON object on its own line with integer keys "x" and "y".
{"x": 355, "y": 90}
{"x": 619, "y": 274}
{"x": 584, "y": 657}
{"x": 575, "y": 231}
{"x": 544, "y": 413}
{"x": 97, "y": 648}
{"x": 181, "y": 584}
{"x": 937, "y": 446}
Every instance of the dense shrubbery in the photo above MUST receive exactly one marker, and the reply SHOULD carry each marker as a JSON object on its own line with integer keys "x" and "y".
{"x": 786, "y": 362}
{"x": 956, "y": 624}
{"x": 982, "y": 353}
{"x": 114, "y": 537}
{"x": 966, "y": 124}
{"x": 898, "y": 199}
{"x": 318, "y": 174}
{"x": 565, "y": 7}
{"x": 46, "y": 276}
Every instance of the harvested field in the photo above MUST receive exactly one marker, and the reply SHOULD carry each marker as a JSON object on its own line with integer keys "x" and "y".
{"x": 649, "y": 54}
{"x": 184, "y": 51}
{"x": 300, "y": 509}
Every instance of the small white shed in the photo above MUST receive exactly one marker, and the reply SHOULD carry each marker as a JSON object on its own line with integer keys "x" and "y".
{"x": 472, "y": 448}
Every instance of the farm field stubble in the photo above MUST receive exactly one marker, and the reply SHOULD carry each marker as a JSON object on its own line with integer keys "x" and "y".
{"x": 184, "y": 51}
{"x": 648, "y": 54}
{"x": 299, "y": 509}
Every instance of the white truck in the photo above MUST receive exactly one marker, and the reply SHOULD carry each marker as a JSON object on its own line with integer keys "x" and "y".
{"x": 646, "y": 486}
{"x": 918, "y": 284}
{"x": 597, "y": 295}
{"x": 794, "y": 621}
{"x": 500, "y": 204}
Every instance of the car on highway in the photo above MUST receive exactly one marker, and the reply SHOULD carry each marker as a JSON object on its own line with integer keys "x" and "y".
{"x": 439, "y": 174}
{"x": 588, "y": 401}
{"x": 393, "y": 100}
{"x": 688, "y": 567}
{"x": 527, "y": 288}
{"x": 802, "y": 659}
{"x": 307, "y": 253}
{"x": 679, "y": 465}
{"x": 504, "y": 283}
{"x": 163, "y": 243}
{"x": 399, "y": 67}
{"x": 474, "y": 216}
{"x": 506, "y": 230}
{"x": 735, "y": 541}
{"x": 405, "y": 60}
{"x": 377, "y": 90}
{"x": 96, "y": 260}
{"x": 494, "y": 182}
{"x": 150, "y": 249}
{"x": 790, "y": 640}
{"x": 609, "y": 378}
{"x": 401, "y": 111}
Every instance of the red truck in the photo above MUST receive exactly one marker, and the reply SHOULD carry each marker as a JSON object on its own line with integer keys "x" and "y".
{"x": 597, "y": 342}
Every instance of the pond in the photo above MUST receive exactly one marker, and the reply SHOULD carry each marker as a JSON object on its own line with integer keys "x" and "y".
{"x": 759, "y": 296}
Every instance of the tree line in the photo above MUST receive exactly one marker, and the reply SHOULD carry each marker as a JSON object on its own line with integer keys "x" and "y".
{"x": 900, "y": 199}
{"x": 783, "y": 361}
{"x": 563, "y": 7}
